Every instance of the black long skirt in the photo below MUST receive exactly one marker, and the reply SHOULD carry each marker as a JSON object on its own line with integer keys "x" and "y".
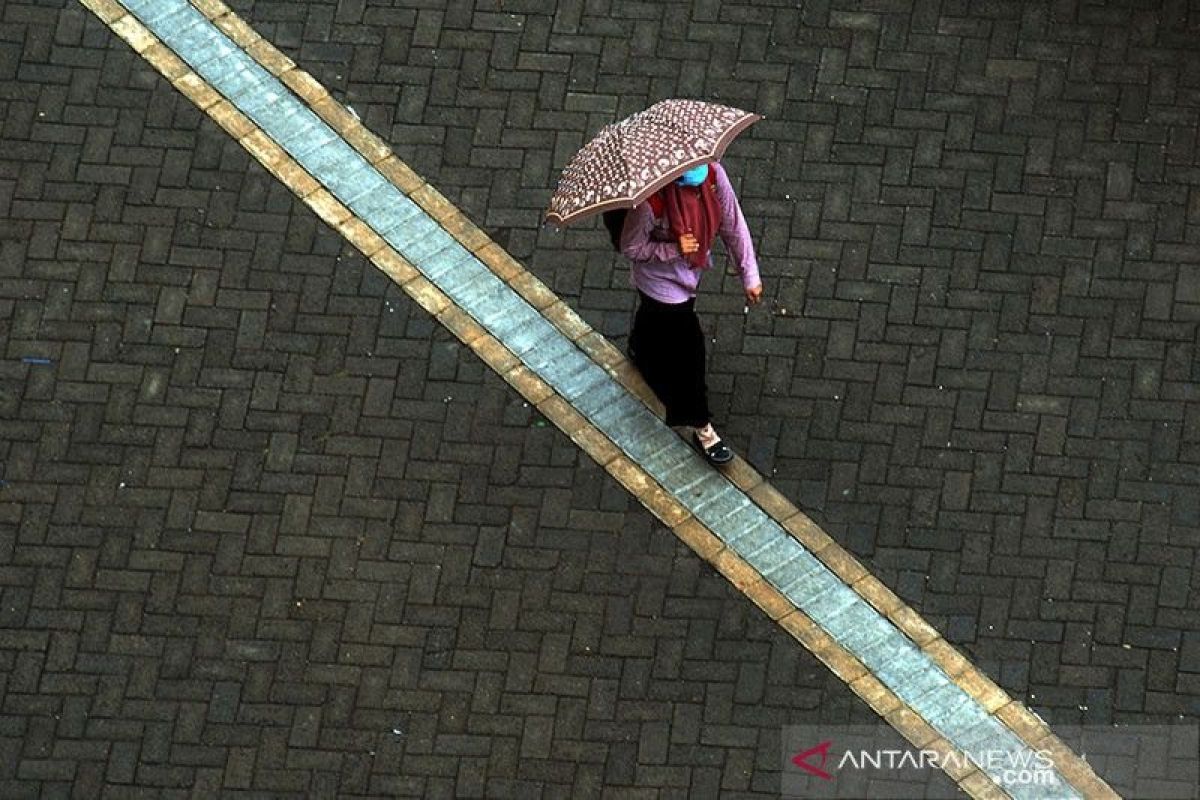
{"x": 667, "y": 347}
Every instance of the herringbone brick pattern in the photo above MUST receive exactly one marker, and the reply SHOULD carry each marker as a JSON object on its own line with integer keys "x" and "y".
{"x": 266, "y": 528}
{"x": 977, "y": 223}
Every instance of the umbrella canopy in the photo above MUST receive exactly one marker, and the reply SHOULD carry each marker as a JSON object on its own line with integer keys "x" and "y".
{"x": 632, "y": 159}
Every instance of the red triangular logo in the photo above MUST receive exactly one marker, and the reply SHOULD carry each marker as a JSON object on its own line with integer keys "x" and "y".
{"x": 801, "y": 760}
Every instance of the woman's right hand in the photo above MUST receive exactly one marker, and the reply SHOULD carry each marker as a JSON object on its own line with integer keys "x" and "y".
{"x": 688, "y": 244}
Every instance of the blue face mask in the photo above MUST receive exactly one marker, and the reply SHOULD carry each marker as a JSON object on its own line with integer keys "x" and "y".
{"x": 694, "y": 176}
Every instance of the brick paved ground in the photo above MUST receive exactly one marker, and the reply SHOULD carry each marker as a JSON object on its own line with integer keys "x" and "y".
{"x": 266, "y": 527}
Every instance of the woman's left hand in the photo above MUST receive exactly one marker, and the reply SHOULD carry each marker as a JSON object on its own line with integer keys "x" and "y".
{"x": 754, "y": 294}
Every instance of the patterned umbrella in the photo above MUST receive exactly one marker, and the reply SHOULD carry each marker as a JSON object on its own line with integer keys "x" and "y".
{"x": 632, "y": 159}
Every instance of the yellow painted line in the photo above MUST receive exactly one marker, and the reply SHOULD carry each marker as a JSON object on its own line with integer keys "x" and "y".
{"x": 1029, "y": 728}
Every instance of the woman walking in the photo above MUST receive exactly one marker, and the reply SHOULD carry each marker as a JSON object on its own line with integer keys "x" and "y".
{"x": 667, "y": 240}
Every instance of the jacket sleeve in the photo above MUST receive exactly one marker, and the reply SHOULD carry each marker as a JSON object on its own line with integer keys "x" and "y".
{"x": 636, "y": 244}
{"x": 734, "y": 232}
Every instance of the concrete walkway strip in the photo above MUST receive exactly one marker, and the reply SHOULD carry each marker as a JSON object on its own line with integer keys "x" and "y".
{"x": 753, "y": 535}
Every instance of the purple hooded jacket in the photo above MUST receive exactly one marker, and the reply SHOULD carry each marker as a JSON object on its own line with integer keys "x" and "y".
{"x": 658, "y": 268}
